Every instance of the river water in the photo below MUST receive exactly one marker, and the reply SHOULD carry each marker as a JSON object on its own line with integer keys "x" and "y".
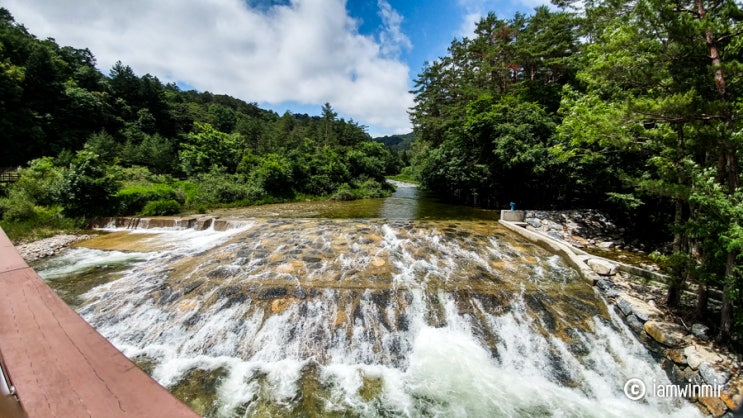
{"x": 380, "y": 308}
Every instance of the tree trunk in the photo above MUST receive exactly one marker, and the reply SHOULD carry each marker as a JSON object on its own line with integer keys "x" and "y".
{"x": 730, "y": 175}
{"x": 676, "y": 285}
{"x": 702, "y": 301}
{"x": 726, "y": 315}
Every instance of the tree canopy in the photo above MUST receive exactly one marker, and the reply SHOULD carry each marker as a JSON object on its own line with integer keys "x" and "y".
{"x": 121, "y": 140}
{"x": 623, "y": 105}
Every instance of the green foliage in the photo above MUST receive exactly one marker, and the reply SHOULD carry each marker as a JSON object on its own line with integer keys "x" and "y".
{"x": 133, "y": 199}
{"x": 161, "y": 207}
{"x": 344, "y": 192}
{"x": 17, "y": 207}
{"x": 40, "y": 181}
{"x": 207, "y": 147}
{"x": 104, "y": 145}
{"x": 87, "y": 189}
{"x": 217, "y": 187}
{"x": 366, "y": 189}
{"x": 45, "y": 222}
{"x": 273, "y": 174}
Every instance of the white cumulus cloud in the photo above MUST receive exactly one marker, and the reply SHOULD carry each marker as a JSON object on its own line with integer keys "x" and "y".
{"x": 474, "y": 10}
{"x": 302, "y": 51}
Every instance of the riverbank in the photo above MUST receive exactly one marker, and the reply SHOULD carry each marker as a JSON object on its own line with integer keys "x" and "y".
{"x": 47, "y": 247}
{"x": 686, "y": 353}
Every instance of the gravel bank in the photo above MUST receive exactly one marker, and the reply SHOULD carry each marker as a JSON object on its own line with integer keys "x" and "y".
{"x": 48, "y": 247}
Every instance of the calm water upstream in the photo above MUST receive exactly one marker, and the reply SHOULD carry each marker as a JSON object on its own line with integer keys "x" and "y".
{"x": 389, "y": 307}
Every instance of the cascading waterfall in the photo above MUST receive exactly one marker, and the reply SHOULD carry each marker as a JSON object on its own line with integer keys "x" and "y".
{"x": 319, "y": 317}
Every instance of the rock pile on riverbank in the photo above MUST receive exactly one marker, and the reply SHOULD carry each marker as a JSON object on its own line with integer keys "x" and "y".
{"x": 581, "y": 228}
{"x": 690, "y": 358}
{"x": 687, "y": 353}
{"x": 48, "y": 247}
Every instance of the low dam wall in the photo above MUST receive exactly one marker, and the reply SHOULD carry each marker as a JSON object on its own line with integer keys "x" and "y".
{"x": 55, "y": 364}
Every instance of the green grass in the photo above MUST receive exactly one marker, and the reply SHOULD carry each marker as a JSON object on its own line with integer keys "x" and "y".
{"x": 37, "y": 228}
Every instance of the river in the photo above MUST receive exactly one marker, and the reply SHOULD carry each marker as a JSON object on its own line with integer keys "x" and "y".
{"x": 386, "y": 307}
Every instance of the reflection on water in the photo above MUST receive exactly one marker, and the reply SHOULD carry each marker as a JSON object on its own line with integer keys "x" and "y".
{"x": 408, "y": 202}
{"x": 403, "y": 204}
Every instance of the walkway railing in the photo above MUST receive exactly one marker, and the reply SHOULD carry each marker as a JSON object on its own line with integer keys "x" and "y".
{"x": 9, "y": 175}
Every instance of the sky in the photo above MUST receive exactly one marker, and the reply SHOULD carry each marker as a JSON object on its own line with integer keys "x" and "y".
{"x": 361, "y": 56}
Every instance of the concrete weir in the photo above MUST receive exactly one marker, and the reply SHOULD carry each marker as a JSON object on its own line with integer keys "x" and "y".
{"x": 589, "y": 266}
{"x": 55, "y": 364}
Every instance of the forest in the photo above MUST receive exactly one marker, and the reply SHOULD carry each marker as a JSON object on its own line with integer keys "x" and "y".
{"x": 629, "y": 106}
{"x": 90, "y": 144}
{"x": 633, "y": 107}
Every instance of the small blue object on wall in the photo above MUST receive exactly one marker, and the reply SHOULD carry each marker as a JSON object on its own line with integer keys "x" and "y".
{"x": 513, "y": 205}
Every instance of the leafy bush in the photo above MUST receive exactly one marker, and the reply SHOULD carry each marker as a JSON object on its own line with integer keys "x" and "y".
{"x": 17, "y": 207}
{"x": 40, "y": 181}
{"x": 87, "y": 188}
{"x": 161, "y": 207}
{"x": 370, "y": 188}
{"x": 134, "y": 198}
{"x": 217, "y": 187}
{"x": 274, "y": 175}
{"x": 45, "y": 222}
{"x": 367, "y": 189}
{"x": 344, "y": 192}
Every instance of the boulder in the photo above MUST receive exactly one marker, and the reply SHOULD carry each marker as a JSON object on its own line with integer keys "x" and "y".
{"x": 607, "y": 286}
{"x": 631, "y": 305}
{"x": 666, "y": 333}
{"x": 732, "y": 395}
{"x": 700, "y": 331}
{"x": 602, "y": 267}
{"x": 682, "y": 376}
{"x": 555, "y": 235}
{"x": 715, "y": 406}
{"x": 713, "y": 375}
{"x": 696, "y": 355}
{"x": 676, "y": 355}
{"x": 534, "y": 222}
{"x": 606, "y": 245}
{"x": 635, "y": 324}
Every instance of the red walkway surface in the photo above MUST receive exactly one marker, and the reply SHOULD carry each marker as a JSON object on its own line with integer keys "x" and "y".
{"x": 59, "y": 365}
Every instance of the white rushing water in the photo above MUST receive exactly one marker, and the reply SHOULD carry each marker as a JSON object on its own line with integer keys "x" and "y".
{"x": 281, "y": 318}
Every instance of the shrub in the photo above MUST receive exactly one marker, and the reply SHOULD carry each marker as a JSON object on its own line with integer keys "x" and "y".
{"x": 17, "y": 207}
{"x": 133, "y": 199}
{"x": 371, "y": 189}
{"x": 214, "y": 188}
{"x": 274, "y": 175}
{"x": 344, "y": 192}
{"x": 161, "y": 207}
{"x": 87, "y": 188}
{"x": 40, "y": 181}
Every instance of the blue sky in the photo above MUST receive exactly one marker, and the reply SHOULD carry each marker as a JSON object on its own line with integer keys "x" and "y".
{"x": 359, "y": 55}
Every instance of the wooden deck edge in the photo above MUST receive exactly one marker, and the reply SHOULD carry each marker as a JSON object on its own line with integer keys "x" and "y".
{"x": 59, "y": 365}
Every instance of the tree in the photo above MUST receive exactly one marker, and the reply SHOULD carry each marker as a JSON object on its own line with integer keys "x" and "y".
{"x": 660, "y": 67}
{"x": 207, "y": 147}
{"x": 328, "y": 117}
{"x": 87, "y": 188}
